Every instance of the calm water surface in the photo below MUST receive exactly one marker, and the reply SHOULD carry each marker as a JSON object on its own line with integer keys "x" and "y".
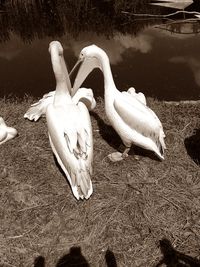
{"x": 161, "y": 60}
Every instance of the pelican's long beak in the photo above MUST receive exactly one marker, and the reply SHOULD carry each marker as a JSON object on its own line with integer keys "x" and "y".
{"x": 87, "y": 66}
{"x": 65, "y": 71}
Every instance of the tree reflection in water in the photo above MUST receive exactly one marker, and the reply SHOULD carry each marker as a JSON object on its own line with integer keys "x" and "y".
{"x": 55, "y": 18}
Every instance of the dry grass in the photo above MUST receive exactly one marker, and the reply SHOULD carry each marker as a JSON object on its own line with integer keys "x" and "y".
{"x": 135, "y": 204}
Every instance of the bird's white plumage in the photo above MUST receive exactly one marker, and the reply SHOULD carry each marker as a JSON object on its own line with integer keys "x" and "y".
{"x": 70, "y": 137}
{"x": 69, "y": 126}
{"x": 38, "y": 109}
{"x": 6, "y": 133}
{"x": 127, "y": 111}
{"x": 139, "y": 96}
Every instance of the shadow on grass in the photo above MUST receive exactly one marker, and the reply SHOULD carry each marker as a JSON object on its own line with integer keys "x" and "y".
{"x": 112, "y": 138}
{"x": 75, "y": 259}
{"x": 110, "y": 259}
{"x": 39, "y": 262}
{"x": 174, "y": 258}
{"x": 107, "y": 132}
{"x": 192, "y": 145}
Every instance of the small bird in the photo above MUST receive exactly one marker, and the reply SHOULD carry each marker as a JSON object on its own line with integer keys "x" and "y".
{"x": 127, "y": 111}
{"x": 69, "y": 129}
{"x": 6, "y": 133}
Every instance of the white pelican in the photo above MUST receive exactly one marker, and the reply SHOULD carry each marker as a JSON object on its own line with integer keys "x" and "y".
{"x": 6, "y": 133}
{"x": 69, "y": 129}
{"x": 127, "y": 111}
{"x": 84, "y": 95}
{"x": 38, "y": 109}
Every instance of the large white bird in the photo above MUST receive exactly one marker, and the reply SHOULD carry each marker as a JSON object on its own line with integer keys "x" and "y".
{"x": 6, "y": 133}
{"x": 127, "y": 111}
{"x": 39, "y": 108}
{"x": 69, "y": 129}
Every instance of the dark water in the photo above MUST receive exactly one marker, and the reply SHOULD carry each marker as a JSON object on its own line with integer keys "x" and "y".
{"x": 160, "y": 57}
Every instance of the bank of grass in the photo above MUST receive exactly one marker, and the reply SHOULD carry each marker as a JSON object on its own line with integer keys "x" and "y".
{"x": 135, "y": 204}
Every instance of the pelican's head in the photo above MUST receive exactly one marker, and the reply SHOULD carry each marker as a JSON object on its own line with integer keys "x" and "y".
{"x": 90, "y": 57}
{"x": 92, "y": 51}
{"x": 58, "y": 63}
{"x": 56, "y": 46}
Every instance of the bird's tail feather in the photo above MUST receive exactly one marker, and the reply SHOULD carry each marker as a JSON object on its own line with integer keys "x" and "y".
{"x": 83, "y": 184}
{"x": 38, "y": 109}
{"x": 33, "y": 113}
{"x": 161, "y": 144}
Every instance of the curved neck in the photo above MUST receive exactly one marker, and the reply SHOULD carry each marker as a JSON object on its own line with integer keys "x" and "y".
{"x": 63, "y": 85}
{"x": 109, "y": 84}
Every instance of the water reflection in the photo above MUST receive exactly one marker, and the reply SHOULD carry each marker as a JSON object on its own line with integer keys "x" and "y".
{"x": 173, "y": 4}
{"x": 192, "y": 63}
{"x": 158, "y": 59}
{"x": 115, "y": 46}
{"x": 54, "y": 18}
{"x": 10, "y": 50}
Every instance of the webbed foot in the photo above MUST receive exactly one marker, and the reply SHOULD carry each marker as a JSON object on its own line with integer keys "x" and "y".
{"x": 117, "y": 156}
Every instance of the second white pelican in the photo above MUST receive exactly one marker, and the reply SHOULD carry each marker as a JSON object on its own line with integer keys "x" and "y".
{"x": 127, "y": 111}
{"x": 6, "y": 133}
{"x": 70, "y": 130}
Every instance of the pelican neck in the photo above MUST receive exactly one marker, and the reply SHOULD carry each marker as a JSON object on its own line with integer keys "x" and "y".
{"x": 62, "y": 94}
{"x": 59, "y": 68}
{"x": 109, "y": 84}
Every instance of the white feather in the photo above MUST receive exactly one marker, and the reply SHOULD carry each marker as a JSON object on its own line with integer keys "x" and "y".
{"x": 70, "y": 130}
{"x": 127, "y": 111}
{"x": 6, "y": 133}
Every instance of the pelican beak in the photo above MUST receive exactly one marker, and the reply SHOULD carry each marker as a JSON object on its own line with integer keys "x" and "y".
{"x": 87, "y": 66}
{"x": 75, "y": 66}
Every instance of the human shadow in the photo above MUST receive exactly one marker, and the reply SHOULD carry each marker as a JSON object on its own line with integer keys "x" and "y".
{"x": 39, "y": 261}
{"x": 73, "y": 259}
{"x": 110, "y": 259}
{"x": 112, "y": 138}
{"x": 192, "y": 145}
{"x": 174, "y": 258}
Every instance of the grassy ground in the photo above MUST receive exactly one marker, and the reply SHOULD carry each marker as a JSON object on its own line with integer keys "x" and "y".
{"x": 138, "y": 211}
